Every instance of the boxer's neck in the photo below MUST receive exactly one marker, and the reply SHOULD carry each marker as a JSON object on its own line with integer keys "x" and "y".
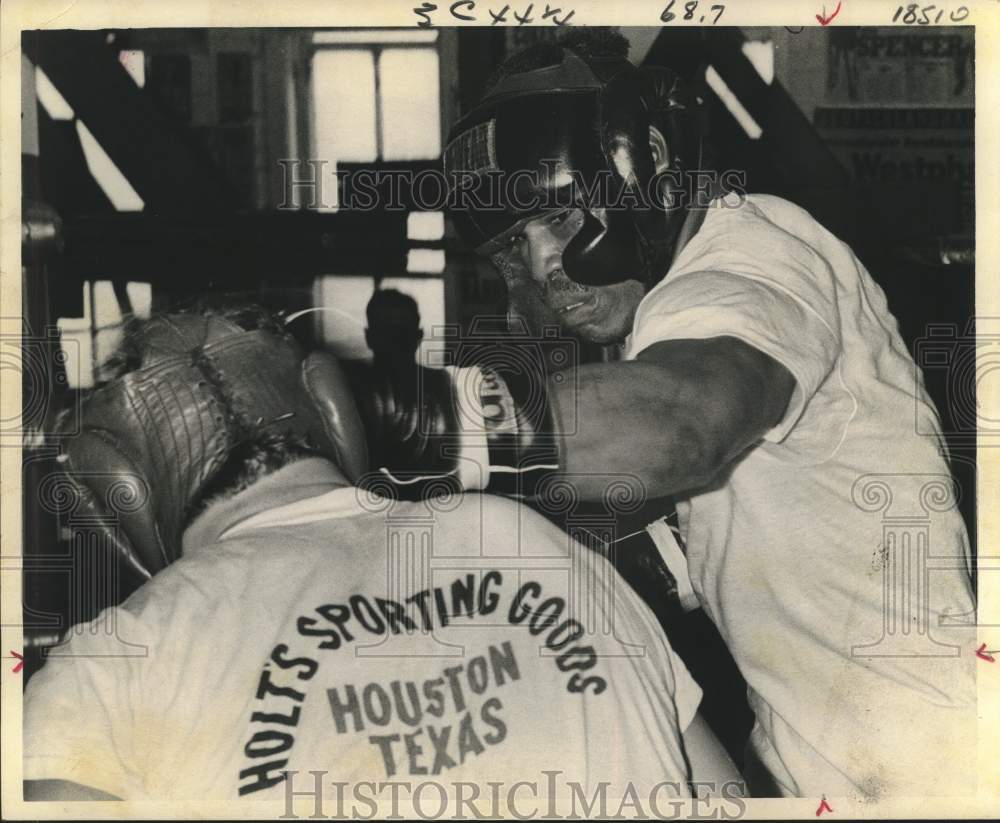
{"x": 695, "y": 217}
{"x": 309, "y": 477}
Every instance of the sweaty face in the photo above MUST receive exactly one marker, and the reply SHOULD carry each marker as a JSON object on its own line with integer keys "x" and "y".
{"x": 599, "y": 314}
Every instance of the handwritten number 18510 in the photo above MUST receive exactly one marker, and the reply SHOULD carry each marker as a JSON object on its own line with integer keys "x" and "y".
{"x": 908, "y": 14}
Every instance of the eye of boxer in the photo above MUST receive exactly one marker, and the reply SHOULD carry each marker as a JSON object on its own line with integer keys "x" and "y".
{"x": 554, "y": 220}
{"x": 564, "y": 223}
{"x": 513, "y": 240}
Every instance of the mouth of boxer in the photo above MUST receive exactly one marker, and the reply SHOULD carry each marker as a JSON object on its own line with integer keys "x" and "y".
{"x": 566, "y": 297}
{"x": 578, "y": 312}
{"x": 571, "y": 307}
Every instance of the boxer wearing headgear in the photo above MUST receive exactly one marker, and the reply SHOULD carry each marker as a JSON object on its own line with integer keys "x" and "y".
{"x": 312, "y": 637}
{"x": 571, "y": 176}
{"x": 198, "y": 388}
{"x": 765, "y": 387}
{"x": 573, "y": 137}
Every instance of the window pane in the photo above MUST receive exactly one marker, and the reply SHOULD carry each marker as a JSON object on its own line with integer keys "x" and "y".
{"x": 342, "y": 321}
{"x": 76, "y": 341}
{"x": 375, "y": 36}
{"x": 135, "y": 64}
{"x": 429, "y": 261}
{"x": 52, "y": 101}
{"x": 343, "y": 94}
{"x": 760, "y": 53}
{"x": 732, "y": 102}
{"x": 107, "y": 319}
{"x": 109, "y": 177}
{"x": 411, "y": 118}
{"x": 425, "y": 225}
{"x": 140, "y": 295}
{"x": 106, "y": 310}
{"x": 78, "y": 356}
{"x": 88, "y": 341}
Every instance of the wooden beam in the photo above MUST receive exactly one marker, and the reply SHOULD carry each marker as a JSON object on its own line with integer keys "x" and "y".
{"x": 201, "y": 252}
{"x": 156, "y": 155}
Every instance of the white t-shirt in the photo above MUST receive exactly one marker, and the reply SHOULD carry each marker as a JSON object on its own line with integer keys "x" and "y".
{"x": 459, "y": 640}
{"x": 831, "y": 551}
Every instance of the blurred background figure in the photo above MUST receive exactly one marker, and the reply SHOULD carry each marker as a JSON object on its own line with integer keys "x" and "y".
{"x": 394, "y": 331}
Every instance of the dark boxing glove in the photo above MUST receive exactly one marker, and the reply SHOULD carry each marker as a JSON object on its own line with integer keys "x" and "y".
{"x": 473, "y": 428}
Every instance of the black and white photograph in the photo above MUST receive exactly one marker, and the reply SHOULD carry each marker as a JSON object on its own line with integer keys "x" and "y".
{"x": 482, "y": 411}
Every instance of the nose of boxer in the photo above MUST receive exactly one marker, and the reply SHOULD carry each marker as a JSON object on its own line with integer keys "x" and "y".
{"x": 544, "y": 249}
{"x": 545, "y": 240}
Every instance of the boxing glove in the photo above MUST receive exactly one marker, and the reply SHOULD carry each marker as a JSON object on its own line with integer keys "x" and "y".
{"x": 472, "y": 428}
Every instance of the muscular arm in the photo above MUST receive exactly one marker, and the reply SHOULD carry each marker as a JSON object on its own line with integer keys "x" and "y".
{"x": 674, "y": 417}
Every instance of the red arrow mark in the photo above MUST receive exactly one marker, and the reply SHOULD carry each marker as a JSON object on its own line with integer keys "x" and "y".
{"x": 983, "y": 653}
{"x": 823, "y": 807}
{"x": 20, "y": 664}
{"x": 823, "y": 19}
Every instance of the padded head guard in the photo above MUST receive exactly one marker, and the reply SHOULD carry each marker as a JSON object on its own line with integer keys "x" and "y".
{"x": 577, "y": 135}
{"x": 151, "y": 440}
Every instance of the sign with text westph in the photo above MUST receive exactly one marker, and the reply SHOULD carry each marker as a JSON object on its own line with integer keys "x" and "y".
{"x": 893, "y": 148}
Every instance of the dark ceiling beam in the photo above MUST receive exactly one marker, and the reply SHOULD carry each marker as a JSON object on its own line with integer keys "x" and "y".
{"x": 201, "y": 251}
{"x": 155, "y": 154}
{"x": 67, "y": 184}
{"x": 480, "y": 50}
{"x": 789, "y": 139}
{"x": 790, "y": 159}
{"x": 800, "y": 152}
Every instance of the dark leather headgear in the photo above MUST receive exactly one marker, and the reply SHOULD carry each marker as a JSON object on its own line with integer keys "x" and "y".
{"x": 153, "y": 439}
{"x": 540, "y": 137}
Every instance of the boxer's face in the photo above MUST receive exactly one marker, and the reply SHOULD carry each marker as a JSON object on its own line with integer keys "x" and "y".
{"x": 600, "y": 314}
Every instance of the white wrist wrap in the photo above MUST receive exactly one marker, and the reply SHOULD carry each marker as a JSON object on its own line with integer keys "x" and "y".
{"x": 474, "y": 453}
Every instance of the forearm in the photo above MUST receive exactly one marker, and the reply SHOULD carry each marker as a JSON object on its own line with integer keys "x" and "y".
{"x": 667, "y": 422}
{"x": 633, "y": 419}
{"x": 672, "y": 419}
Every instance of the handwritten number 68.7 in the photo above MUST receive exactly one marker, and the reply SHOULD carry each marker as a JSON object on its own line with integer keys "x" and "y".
{"x": 689, "y": 10}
